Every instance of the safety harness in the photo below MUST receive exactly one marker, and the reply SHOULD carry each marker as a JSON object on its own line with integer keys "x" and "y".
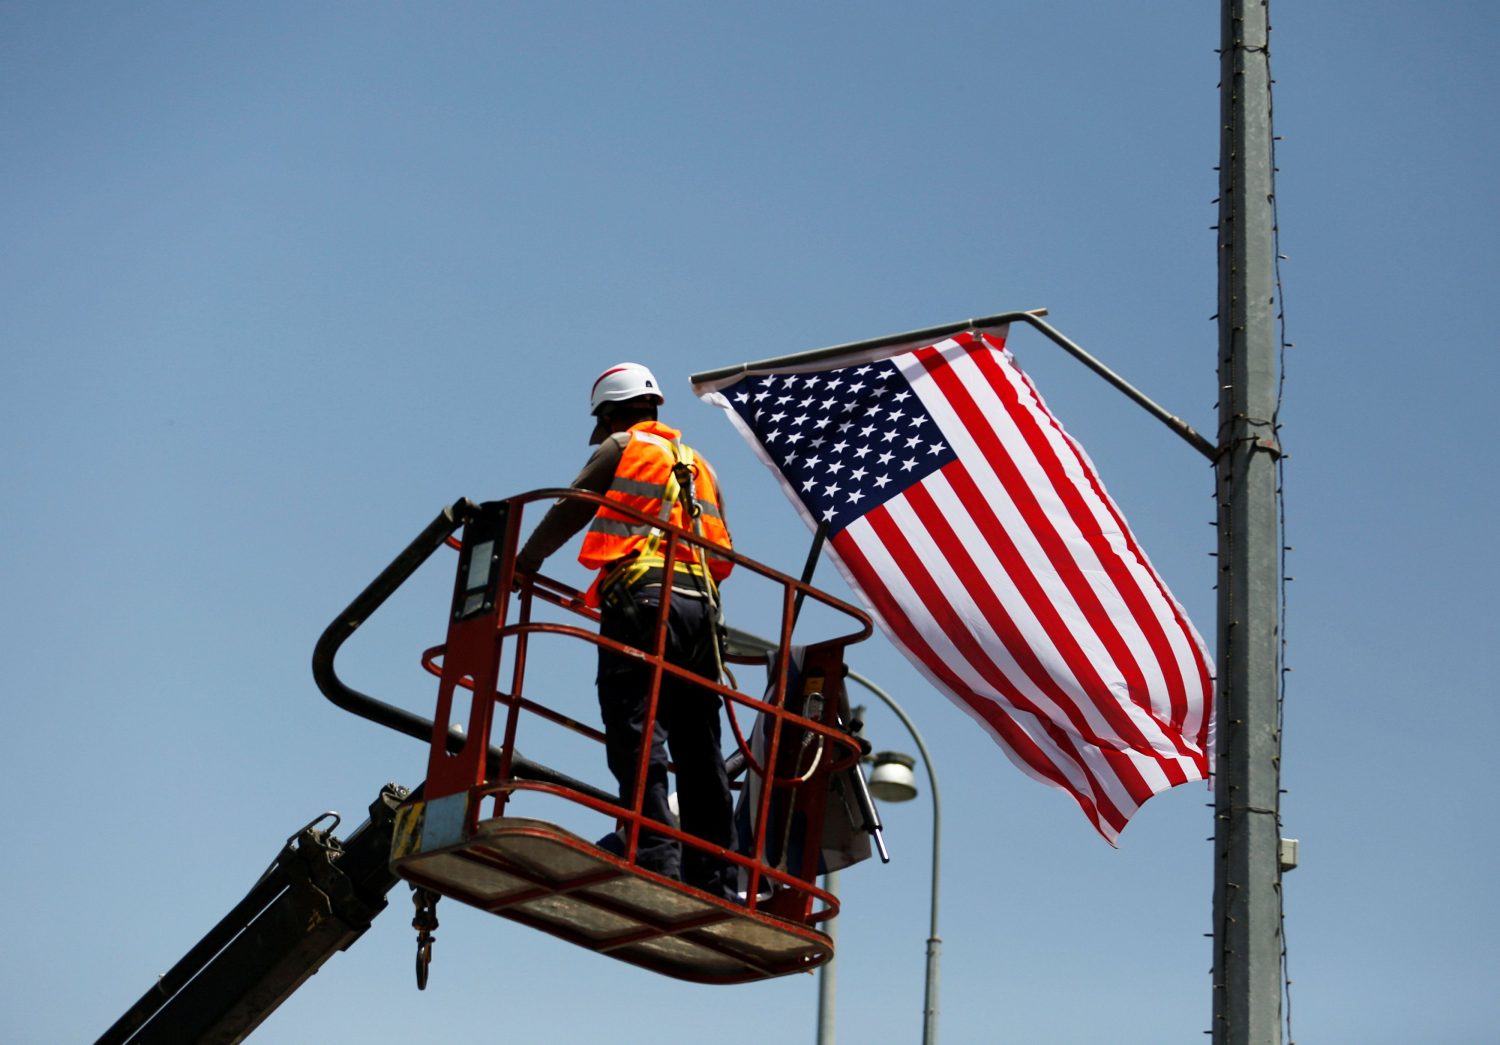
{"x": 648, "y": 565}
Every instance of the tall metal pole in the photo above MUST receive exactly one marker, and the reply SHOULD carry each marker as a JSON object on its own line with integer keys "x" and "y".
{"x": 1247, "y": 874}
{"x": 828, "y": 973}
{"x": 934, "y": 942}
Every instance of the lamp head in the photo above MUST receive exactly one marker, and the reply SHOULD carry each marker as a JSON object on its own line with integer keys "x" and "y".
{"x": 892, "y": 779}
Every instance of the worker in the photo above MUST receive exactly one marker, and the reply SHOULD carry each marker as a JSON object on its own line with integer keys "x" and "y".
{"x": 641, "y": 463}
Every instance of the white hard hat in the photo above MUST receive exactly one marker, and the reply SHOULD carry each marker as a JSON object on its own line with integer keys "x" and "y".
{"x": 621, "y": 382}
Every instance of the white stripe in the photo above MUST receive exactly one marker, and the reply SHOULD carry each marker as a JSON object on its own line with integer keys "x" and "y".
{"x": 1041, "y": 644}
{"x": 1186, "y": 650}
{"x": 1019, "y": 529}
{"x": 1085, "y": 558}
{"x": 956, "y": 590}
{"x": 1187, "y": 647}
{"x": 895, "y": 580}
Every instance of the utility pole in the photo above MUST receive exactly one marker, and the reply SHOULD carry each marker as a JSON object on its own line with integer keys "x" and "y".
{"x": 1247, "y": 868}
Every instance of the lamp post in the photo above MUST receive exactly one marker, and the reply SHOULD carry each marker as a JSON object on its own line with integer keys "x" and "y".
{"x": 892, "y": 781}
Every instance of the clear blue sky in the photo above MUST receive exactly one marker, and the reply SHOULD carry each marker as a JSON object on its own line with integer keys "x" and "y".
{"x": 281, "y": 280}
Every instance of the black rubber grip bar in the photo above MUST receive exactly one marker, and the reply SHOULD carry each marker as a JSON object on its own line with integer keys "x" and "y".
{"x": 366, "y": 603}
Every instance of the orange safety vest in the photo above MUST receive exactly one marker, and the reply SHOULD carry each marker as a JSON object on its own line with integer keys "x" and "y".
{"x": 624, "y": 548}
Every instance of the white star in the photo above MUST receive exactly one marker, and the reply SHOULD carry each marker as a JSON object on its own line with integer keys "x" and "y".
{"x": 771, "y": 437}
{"x": 828, "y": 515}
{"x": 806, "y": 403}
{"x": 935, "y": 448}
{"x": 821, "y": 422}
{"x": 812, "y": 462}
{"x": 885, "y": 457}
{"x": 917, "y": 419}
{"x": 831, "y": 490}
{"x": 856, "y": 497}
{"x": 777, "y": 416}
{"x": 861, "y": 451}
{"x": 845, "y": 427}
{"x": 840, "y": 446}
{"x": 828, "y": 403}
{"x": 811, "y": 381}
{"x": 819, "y": 441}
{"x": 908, "y": 464}
{"x": 799, "y": 419}
{"x": 888, "y": 436}
{"x": 742, "y": 397}
{"x": 795, "y": 437}
{"x": 856, "y": 387}
{"x": 836, "y": 381}
{"x": 895, "y": 415}
{"x": 862, "y": 371}
{"x": 913, "y": 441}
{"x": 864, "y": 433}
{"x": 836, "y": 467}
{"x": 901, "y": 396}
{"x": 880, "y": 481}
{"x": 761, "y": 395}
{"x": 809, "y": 485}
{"x": 857, "y": 474}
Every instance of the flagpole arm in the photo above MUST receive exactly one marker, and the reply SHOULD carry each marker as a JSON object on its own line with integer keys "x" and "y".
{"x": 1172, "y": 421}
{"x": 810, "y": 359}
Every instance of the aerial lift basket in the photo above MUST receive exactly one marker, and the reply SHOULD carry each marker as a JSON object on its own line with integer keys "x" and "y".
{"x": 460, "y": 836}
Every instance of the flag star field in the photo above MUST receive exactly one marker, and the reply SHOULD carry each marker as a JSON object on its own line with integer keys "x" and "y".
{"x": 847, "y": 440}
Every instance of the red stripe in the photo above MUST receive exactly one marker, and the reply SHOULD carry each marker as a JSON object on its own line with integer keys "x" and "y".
{"x": 946, "y": 619}
{"x": 1115, "y": 753}
{"x": 1179, "y": 697}
{"x": 991, "y": 365}
{"x": 1010, "y": 734}
{"x": 1152, "y": 629}
{"x": 1200, "y": 661}
{"x": 1095, "y": 690}
{"x": 1128, "y": 586}
{"x": 601, "y": 377}
{"x": 1017, "y": 485}
{"x": 1054, "y": 547}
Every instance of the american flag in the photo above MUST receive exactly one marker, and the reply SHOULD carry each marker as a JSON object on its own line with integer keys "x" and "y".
{"x": 978, "y": 534}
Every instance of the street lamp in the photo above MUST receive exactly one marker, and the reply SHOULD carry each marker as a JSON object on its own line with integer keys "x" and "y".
{"x": 893, "y": 781}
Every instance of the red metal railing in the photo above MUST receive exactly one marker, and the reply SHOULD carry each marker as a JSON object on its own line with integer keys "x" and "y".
{"x": 805, "y": 743}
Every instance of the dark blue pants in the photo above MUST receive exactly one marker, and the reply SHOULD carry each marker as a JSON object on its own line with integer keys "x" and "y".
{"x": 687, "y": 724}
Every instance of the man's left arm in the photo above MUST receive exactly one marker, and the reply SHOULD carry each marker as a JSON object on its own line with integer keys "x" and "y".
{"x": 567, "y": 515}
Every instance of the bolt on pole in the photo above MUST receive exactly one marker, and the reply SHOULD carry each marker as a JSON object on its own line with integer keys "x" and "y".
{"x": 1247, "y": 873}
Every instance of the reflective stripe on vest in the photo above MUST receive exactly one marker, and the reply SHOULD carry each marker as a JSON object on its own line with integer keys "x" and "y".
{"x": 644, "y": 481}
